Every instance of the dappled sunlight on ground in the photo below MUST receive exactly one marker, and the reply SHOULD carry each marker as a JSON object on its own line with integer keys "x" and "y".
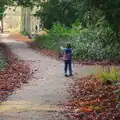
{"x": 18, "y": 36}
{"x": 19, "y": 106}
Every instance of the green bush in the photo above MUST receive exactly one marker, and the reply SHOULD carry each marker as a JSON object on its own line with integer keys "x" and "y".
{"x": 25, "y": 33}
{"x": 2, "y": 62}
{"x": 112, "y": 74}
{"x": 88, "y": 43}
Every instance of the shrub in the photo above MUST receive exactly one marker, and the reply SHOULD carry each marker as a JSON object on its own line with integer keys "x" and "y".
{"x": 88, "y": 43}
{"x": 112, "y": 74}
{"x": 25, "y": 33}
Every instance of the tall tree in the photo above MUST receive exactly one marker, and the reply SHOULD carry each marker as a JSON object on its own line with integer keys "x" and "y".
{"x": 54, "y": 10}
{"x": 88, "y": 8}
{"x": 2, "y": 14}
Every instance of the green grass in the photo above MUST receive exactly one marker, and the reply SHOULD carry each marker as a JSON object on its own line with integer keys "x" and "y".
{"x": 2, "y": 61}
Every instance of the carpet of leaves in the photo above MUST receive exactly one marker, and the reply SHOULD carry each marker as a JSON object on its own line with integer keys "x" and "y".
{"x": 15, "y": 73}
{"x": 91, "y": 100}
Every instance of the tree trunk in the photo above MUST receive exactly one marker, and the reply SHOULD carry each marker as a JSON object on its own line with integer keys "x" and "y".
{"x": 2, "y": 26}
{"x": 28, "y": 20}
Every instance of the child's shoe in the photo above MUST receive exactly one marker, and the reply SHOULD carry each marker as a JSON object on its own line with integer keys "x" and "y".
{"x": 66, "y": 75}
{"x": 71, "y": 74}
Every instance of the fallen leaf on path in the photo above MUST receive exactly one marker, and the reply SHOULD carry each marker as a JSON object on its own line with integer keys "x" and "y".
{"x": 13, "y": 75}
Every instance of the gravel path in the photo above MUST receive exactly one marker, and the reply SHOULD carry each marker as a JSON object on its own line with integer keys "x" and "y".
{"x": 39, "y": 99}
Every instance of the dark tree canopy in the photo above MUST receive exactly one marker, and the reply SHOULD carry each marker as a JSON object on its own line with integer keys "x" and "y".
{"x": 109, "y": 8}
{"x": 88, "y": 12}
{"x": 54, "y": 11}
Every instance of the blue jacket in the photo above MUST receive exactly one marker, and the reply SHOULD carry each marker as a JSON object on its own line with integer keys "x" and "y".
{"x": 67, "y": 53}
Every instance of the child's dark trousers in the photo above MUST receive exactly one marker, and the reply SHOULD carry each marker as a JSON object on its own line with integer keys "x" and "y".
{"x": 68, "y": 65}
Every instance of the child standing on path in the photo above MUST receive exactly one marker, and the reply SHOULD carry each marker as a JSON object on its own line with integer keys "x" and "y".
{"x": 67, "y": 57}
